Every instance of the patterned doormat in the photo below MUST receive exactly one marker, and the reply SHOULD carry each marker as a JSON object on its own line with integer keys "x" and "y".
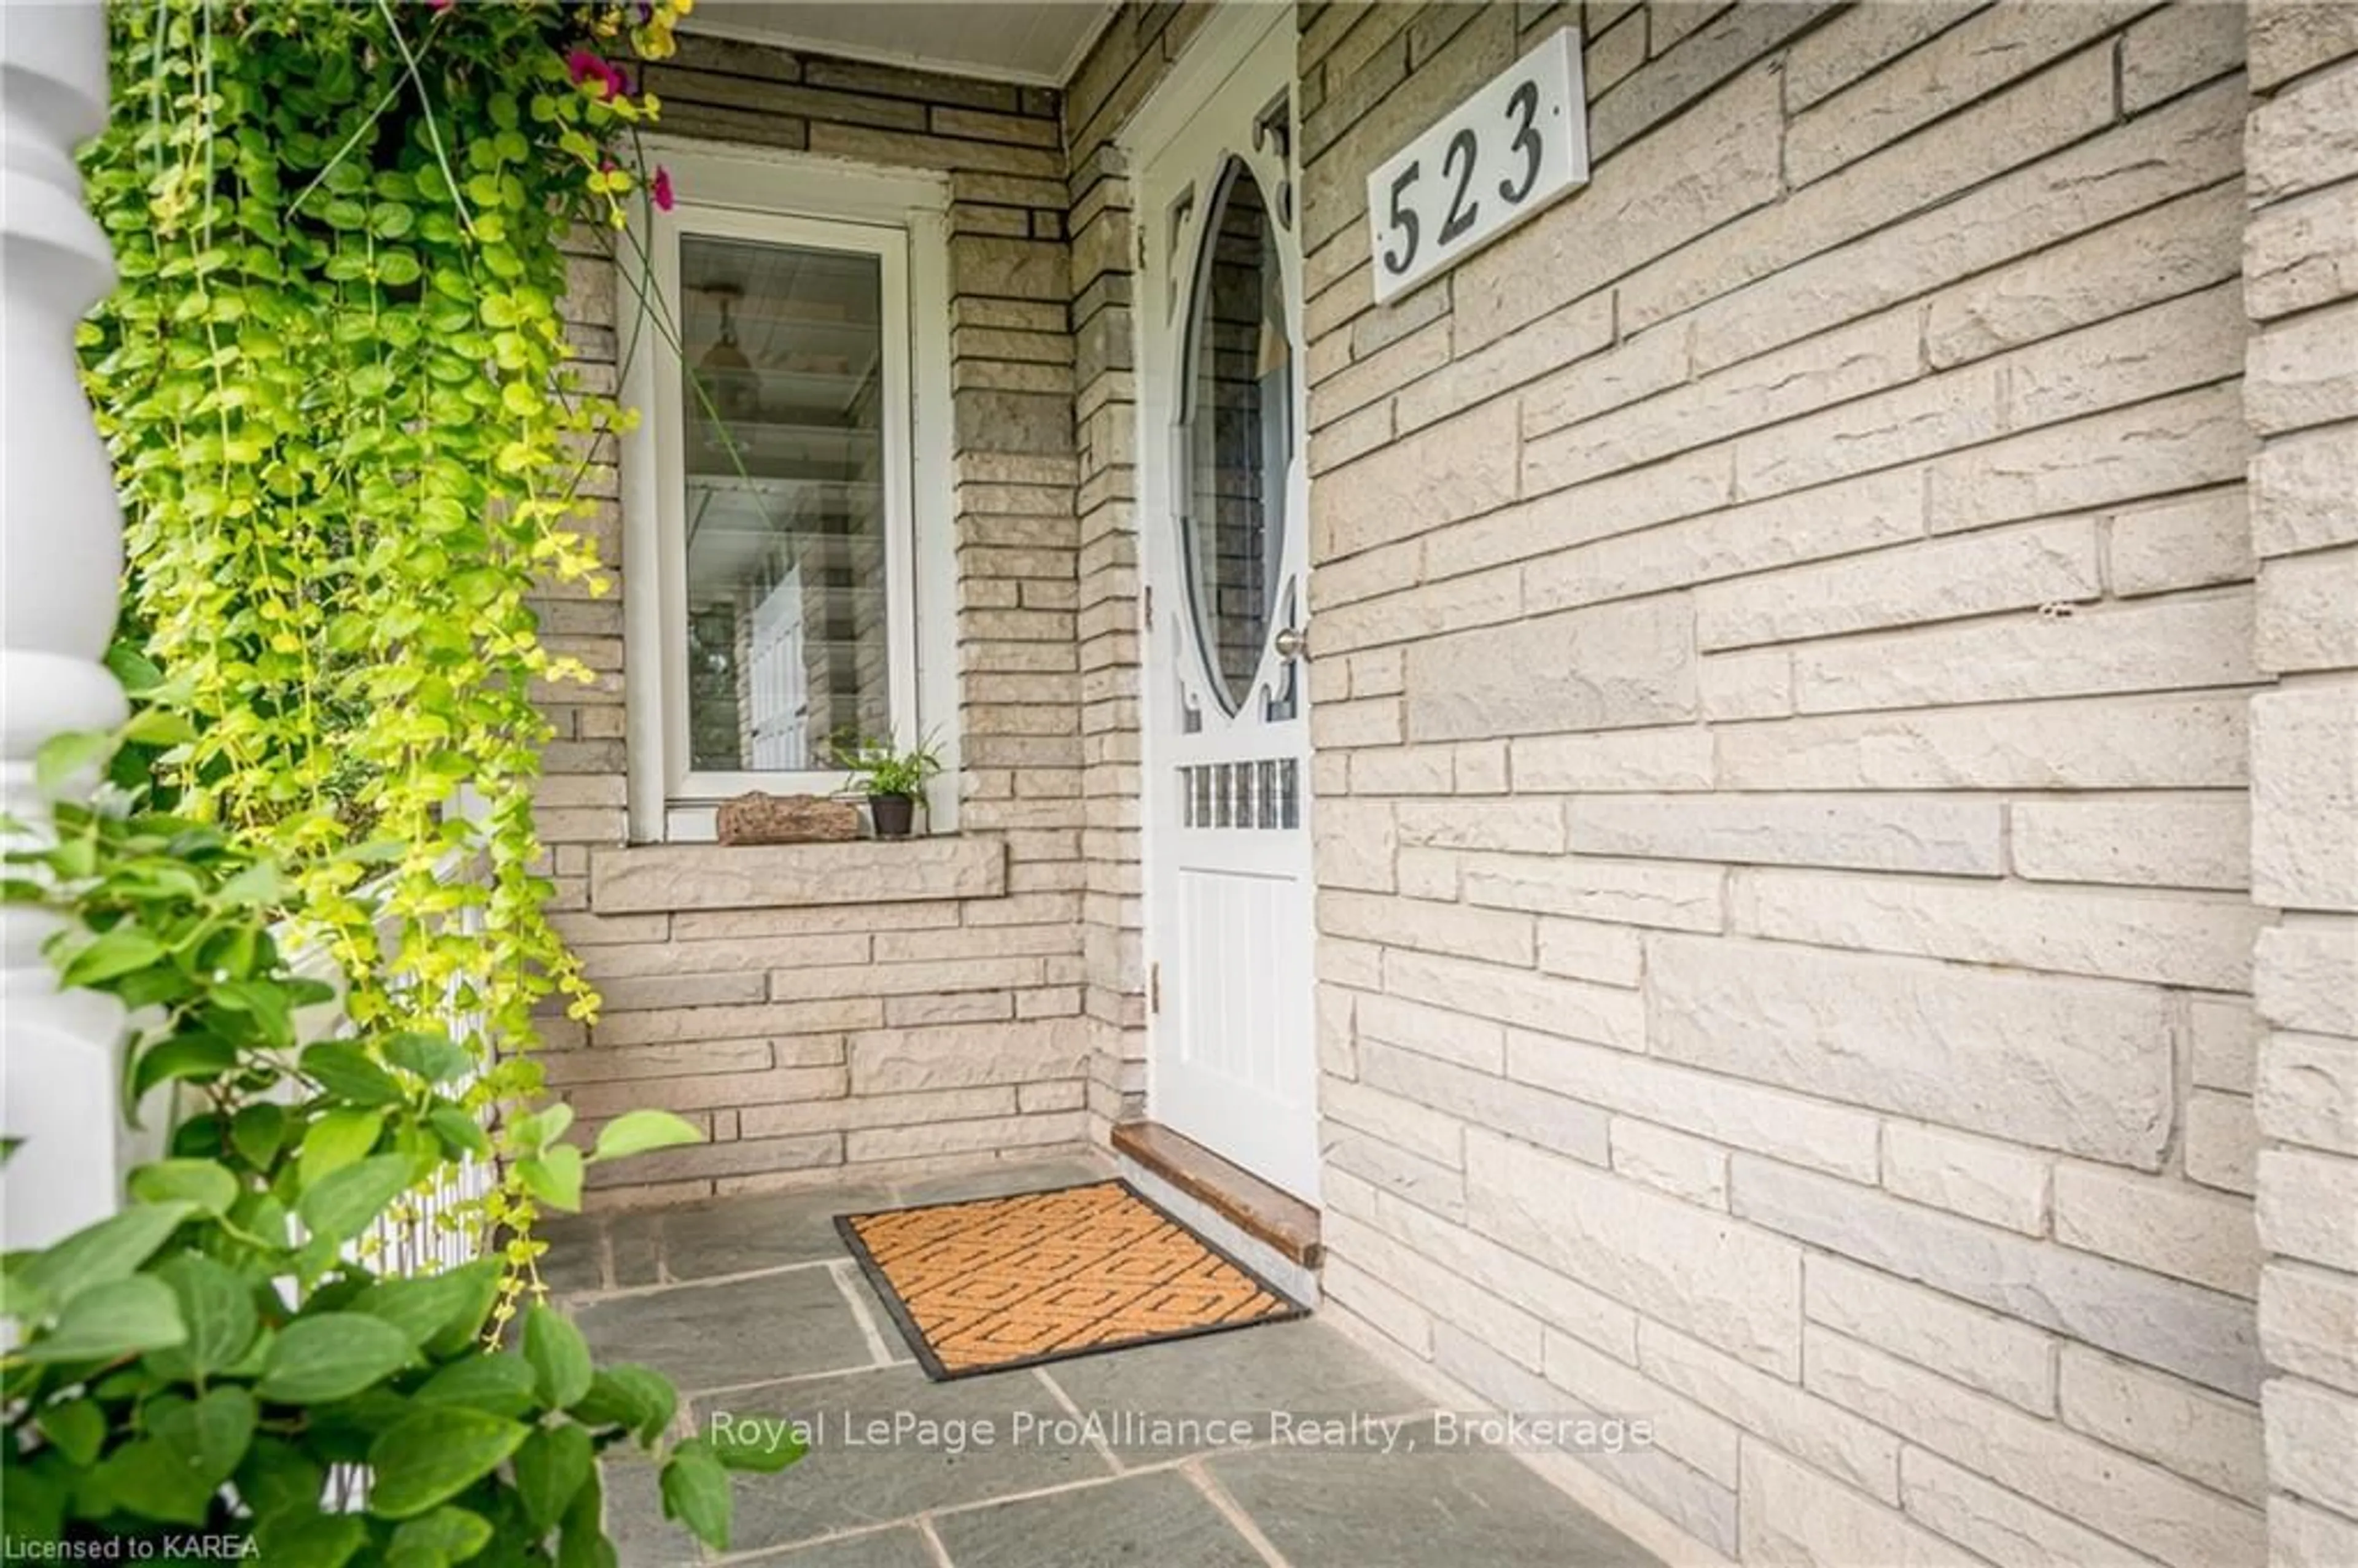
{"x": 990, "y": 1284}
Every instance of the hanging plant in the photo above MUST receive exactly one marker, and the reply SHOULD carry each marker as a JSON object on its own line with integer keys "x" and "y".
{"x": 352, "y": 446}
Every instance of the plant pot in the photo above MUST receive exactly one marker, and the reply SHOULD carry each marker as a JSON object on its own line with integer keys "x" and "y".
{"x": 894, "y": 814}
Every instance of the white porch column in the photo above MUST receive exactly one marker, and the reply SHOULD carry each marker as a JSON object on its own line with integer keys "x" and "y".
{"x": 61, "y": 567}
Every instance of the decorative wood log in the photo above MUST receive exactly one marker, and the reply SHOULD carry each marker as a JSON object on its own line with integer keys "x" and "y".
{"x": 759, "y": 818}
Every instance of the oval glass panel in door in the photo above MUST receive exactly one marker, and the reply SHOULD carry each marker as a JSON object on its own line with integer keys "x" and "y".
{"x": 1236, "y": 434}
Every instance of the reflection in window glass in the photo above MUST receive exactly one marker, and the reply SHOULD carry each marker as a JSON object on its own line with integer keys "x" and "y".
{"x": 1239, "y": 433}
{"x": 787, "y": 640}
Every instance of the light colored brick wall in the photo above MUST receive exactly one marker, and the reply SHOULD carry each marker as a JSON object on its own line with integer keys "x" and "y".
{"x": 1122, "y": 68}
{"x": 809, "y": 1038}
{"x": 1816, "y": 740}
{"x": 1786, "y": 634}
{"x": 2300, "y": 285}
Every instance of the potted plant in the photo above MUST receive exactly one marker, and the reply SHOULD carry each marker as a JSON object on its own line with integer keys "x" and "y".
{"x": 892, "y": 779}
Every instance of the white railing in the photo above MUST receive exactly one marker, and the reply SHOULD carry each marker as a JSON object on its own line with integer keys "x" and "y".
{"x": 429, "y": 1237}
{"x": 425, "y": 1236}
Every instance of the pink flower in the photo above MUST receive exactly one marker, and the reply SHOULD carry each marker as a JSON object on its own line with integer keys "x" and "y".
{"x": 583, "y": 65}
{"x": 661, "y": 189}
{"x": 441, "y": 5}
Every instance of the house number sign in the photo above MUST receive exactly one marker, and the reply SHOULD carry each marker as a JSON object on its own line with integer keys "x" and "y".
{"x": 1510, "y": 149}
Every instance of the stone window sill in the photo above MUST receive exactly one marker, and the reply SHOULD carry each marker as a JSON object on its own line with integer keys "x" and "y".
{"x": 661, "y": 878}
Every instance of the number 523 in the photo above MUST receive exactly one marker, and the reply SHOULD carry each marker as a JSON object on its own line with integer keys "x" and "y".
{"x": 1497, "y": 158}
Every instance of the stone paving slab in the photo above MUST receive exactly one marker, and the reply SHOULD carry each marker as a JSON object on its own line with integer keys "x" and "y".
{"x": 900, "y": 1547}
{"x": 727, "y": 1335}
{"x": 889, "y": 1444}
{"x": 996, "y": 1181}
{"x": 1287, "y": 1372}
{"x": 634, "y": 1249}
{"x": 762, "y": 1232}
{"x": 1416, "y": 1507}
{"x": 1077, "y": 1473}
{"x": 643, "y": 1537}
{"x": 1161, "y": 1519}
{"x": 573, "y": 1262}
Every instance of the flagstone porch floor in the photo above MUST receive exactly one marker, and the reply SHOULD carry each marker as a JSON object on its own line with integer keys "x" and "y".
{"x": 753, "y": 1307}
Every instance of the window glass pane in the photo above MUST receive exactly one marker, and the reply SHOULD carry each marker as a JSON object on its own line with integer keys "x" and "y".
{"x": 788, "y": 637}
{"x": 1239, "y": 433}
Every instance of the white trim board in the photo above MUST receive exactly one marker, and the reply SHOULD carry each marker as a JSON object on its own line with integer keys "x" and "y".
{"x": 1225, "y": 41}
{"x": 794, "y": 183}
{"x": 713, "y": 22}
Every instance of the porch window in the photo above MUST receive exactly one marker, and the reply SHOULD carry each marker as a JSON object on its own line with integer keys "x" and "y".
{"x": 780, "y": 495}
{"x": 794, "y": 532}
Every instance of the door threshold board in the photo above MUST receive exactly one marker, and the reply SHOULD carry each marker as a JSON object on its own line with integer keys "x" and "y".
{"x": 1275, "y": 1218}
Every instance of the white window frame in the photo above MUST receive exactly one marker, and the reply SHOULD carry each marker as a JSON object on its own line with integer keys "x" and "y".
{"x": 785, "y": 198}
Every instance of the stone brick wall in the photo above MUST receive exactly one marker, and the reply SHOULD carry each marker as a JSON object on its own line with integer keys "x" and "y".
{"x": 1122, "y": 68}
{"x": 1816, "y": 739}
{"x": 1786, "y": 639}
{"x": 809, "y": 1035}
{"x": 2300, "y": 285}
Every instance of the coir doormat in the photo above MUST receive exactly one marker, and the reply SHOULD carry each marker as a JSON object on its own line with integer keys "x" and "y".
{"x": 990, "y": 1284}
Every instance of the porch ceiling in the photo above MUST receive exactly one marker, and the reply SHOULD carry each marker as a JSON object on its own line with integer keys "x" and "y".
{"x": 1035, "y": 41}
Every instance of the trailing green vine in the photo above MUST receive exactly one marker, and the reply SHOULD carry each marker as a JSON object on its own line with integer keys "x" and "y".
{"x": 353, "y": 445}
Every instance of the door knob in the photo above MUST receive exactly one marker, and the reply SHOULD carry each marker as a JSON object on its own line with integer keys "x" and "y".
{"x": 1293, "y": 643}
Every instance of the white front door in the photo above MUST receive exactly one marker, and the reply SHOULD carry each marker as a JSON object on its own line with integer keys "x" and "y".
{"x": 1223, "y": 492}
